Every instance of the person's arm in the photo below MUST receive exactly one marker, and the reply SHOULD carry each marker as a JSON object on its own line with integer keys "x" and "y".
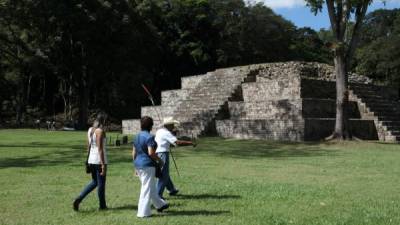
{"x": 153, "y": 155}
{"x": 99, "y": 141}
{"x": 184, "y": 143}
{"x": 88, "y": 139}
{"x": 134, "y": 154}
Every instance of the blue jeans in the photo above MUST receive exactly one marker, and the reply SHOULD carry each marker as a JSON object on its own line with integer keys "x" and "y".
{"x": 165, "y": 180}
{"x": 97, "y": 181}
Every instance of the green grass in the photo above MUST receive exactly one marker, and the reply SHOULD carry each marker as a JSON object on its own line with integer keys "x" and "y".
{"x": 222, "y": 182}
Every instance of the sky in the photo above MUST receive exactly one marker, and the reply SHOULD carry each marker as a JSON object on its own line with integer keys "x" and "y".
{"x": 301, "y": 16}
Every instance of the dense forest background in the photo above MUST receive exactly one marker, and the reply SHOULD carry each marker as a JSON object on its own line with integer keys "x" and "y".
{"x": 65, "y": 60}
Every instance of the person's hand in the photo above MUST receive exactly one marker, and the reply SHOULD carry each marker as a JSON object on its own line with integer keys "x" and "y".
{"x": 103, "y": 171}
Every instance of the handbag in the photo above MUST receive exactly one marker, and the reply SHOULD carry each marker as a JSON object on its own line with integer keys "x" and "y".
{"x": 87, "y": 166}
{"x": 158, "y": 170}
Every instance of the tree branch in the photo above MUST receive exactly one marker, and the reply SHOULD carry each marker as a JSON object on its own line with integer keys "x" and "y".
{"x": 361, "y": 10}
{"x": 332, "y": 15}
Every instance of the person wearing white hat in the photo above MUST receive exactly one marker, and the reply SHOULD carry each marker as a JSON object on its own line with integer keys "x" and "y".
{"x": 165, "y": 138}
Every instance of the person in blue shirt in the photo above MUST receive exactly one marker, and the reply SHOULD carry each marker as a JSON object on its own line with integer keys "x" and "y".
{"x": 145, "y": 159}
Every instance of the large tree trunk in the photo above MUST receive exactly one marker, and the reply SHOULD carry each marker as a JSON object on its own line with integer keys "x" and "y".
{"x": 342, "y": 130}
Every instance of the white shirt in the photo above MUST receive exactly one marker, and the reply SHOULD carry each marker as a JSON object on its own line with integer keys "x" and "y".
{"x": 94, "y": 156}
{"x": 164, "y": 139}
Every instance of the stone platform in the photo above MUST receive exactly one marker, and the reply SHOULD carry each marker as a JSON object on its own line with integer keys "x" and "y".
{"x": 293, "y": 101}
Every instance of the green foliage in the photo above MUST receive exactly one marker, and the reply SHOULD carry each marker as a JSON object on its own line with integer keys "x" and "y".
{"x": 309, "y": 46}
{"x": 222, "y": 181}
{"x": 378, "y": 56}
{"x": 75, "y": 57}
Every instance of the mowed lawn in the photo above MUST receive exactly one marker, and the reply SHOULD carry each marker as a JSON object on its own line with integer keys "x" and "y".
{"x": 222, "y": 181}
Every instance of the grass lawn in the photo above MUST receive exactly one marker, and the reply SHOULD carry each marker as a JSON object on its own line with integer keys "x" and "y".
{"x": 222, "y": 182}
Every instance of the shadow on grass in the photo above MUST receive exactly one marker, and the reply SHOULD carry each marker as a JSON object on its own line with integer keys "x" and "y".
{"x": 193, "y": 213}
{"x": 207, "y": 196}
{"x": 123, "y": 207}
{"x": 50, "y": 154}
{"x": 259, "y": 148}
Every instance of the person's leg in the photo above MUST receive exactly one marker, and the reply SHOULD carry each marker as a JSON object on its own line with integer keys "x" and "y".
{"x": 144, "y": 204}
{"x": 168, "y": 181}
{"x": 155, "y": 198}
{"x": 163, "y": 179}
{"x": 92, "y": 185}
{"x": 101, "y": 189}
{"x": 89, "y": 188}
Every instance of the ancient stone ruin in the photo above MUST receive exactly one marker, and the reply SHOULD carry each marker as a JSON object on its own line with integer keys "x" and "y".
{"x": 293, "y": 101}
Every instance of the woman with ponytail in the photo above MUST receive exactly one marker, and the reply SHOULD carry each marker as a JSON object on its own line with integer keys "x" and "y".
{"x": 97, "y": 160}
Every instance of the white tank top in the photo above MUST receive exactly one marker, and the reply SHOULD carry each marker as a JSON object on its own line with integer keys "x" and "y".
{"x": 94, "y": 156}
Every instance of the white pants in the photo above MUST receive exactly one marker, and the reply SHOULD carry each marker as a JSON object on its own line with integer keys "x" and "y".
{"x": 148, "y": 192}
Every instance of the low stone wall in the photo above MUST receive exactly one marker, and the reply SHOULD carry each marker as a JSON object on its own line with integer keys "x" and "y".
{"x": 319, "y": 128}
{"x": 283, "y": 130}
{"x": 130, "y": 127}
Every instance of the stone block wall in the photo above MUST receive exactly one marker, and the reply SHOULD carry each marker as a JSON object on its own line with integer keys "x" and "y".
{"x": 173, "y": 97}
{"x": 282, "y": 109}
{"x": 130, "y": 126}
{"x": 190, "y": 82}
{"x": 282, "y": 130}
{"x": 271, "y": 89}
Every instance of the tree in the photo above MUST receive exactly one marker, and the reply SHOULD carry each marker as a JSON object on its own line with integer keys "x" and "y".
{"x": 346, "y": 36}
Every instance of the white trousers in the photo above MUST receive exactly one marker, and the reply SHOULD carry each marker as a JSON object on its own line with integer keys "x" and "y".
{"x": 148, "y": 192}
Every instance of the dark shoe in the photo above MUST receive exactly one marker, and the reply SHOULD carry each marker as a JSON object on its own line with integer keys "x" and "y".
{"x": 75, "y": 205}
{"x": 166, "y": 206}
{"x": 174, "y": 192}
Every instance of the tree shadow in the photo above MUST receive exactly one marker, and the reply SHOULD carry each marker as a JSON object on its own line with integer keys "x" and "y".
{"x": 207, "y": 196}
{"x": 248, "y": 149}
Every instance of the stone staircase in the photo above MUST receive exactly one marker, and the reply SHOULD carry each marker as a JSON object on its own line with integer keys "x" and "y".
{"x": 197, "y": 112}
{"x": 380, "y": 104}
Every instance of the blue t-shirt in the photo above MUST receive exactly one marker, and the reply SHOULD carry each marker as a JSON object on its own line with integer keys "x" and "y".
{"x": 142, "y": 141}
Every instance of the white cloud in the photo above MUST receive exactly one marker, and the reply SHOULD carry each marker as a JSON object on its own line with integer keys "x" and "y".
{"x": 275, "y": 4}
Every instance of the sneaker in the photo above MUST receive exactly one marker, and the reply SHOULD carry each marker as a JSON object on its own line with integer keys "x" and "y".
{"x": 103, "y": 208}
{"x": 75, "y": 205}
{"x": 166, "y": 206}
{"x": 174, "y": 192}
